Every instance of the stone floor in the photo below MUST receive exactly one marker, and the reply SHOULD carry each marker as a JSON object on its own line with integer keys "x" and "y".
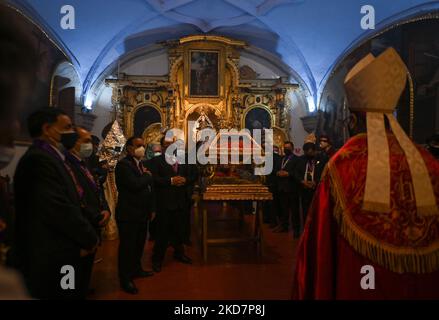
{"x": 231, "y": 272}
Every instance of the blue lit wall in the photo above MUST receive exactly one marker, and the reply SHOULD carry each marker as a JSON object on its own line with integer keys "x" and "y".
{"x": 311, "y": 36}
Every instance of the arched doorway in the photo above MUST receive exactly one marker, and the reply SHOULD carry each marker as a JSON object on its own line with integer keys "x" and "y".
{"x": 257, "y": 117}
{"x": 147, "y": 123}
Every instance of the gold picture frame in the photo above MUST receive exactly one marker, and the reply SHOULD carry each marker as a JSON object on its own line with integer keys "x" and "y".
{"x": 204, "y": 73}
{"x": 206, "y": 52}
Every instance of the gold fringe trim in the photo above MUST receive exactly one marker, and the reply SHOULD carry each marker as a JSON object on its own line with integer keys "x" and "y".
{"x": 376, "y": 207}
{"x": 395, "y": 259}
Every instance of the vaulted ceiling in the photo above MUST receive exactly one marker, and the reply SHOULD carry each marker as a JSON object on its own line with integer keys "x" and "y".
{"x": 310, "y": 36}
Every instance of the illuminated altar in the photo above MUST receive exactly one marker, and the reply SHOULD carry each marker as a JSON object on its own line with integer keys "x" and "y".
{"x": 204, "y": 80}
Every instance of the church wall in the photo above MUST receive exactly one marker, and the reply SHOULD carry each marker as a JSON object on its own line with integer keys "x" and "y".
{"x": 261, "y": 70}
{"x": 418, "y": 48}
{"x": 296, "y": 131}
{"x": 102, "y": 110}
{"x": 154, "y": 65}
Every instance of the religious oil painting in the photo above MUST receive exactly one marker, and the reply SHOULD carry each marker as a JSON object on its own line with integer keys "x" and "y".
{"x": 204, "y": 73}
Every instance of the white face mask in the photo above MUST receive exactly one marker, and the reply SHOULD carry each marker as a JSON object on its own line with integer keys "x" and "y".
{"x": 139, "y": 152}
{"x": 158, "y": 153}
{"x": 6, "y": 156}
{"x": 86, "y": 150}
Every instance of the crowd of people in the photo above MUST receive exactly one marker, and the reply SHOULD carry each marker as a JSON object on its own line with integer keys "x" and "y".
{"x": 293, "y": 181}
{"x": 154, "y": 193}
{"x": 61, "y": 172}
{"x": 56, "y": 175}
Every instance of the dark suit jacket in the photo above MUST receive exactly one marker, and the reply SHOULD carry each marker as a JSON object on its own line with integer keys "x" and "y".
{"x": 94, "y": 201}
{"x": 96, "y": 169}
{"x": 288, "y": 184}
{"x": 50, "y": 225}
{"x": 301, "y": 167}
{"x": 171, "y": 197}
{"x": 136, "y": 192}
{"x": 192, "y": 176}
{"x": 272, "y": 178}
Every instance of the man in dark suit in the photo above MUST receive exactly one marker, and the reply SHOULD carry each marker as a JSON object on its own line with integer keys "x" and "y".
{"x": 51, "y": 228}
{"x": 192, "y": 178}
{"x": 98, "y": 168}
{"x": 95, "y": 206}
{"x": 326, "y": 147}
{"x": 135, "y": 207}
{"x": 271, "y": 208}
{"x": 287, "y": 192}
{"x": 307, "y": 173}
{"x": 156, "y": 150}
{"x": 170, "y": 182}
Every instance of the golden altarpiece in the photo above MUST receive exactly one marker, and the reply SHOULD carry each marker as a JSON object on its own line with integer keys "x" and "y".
{"x": 205, "y": 84}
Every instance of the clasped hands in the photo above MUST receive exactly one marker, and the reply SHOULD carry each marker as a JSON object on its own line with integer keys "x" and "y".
{"x": 309, "y": 184}
{"x": 178, "y": 181}
{"x": 282, "y": 173}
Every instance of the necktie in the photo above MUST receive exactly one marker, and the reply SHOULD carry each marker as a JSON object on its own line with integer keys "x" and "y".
{"x": 175, "y": 167}
{"x": 140, "y": 167}
{"x": 285, "y": 161}
{"x": 310, "y": 171}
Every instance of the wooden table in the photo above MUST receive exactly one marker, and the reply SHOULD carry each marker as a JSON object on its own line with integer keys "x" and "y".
{"x": 228, "y": 193}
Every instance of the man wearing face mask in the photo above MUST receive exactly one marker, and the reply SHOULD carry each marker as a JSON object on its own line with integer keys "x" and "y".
{"x": 271, "y": 208}
{"x": 192, "y": 178}
{"x": 52, "y": 230}
{"x": 95, "y": 205}
{"x": 156, "y": 151}
{"x": 308, "y": 172}
{"x": 326, "y": 147}
{"x": 287, "y": 191}
{"x": 135, "y": 207}
{"x": 171, "y": 180}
